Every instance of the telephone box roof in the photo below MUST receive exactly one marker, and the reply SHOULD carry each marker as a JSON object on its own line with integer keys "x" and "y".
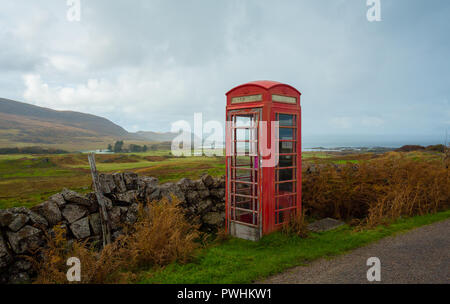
{"x": 265, "y": 84}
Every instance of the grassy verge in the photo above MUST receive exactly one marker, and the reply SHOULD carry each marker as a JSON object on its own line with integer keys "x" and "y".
{"x": 240, "y": 261}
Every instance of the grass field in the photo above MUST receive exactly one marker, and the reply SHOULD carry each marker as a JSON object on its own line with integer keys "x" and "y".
{"x": 26, "y": 180}
{"x": 238, "y": 261}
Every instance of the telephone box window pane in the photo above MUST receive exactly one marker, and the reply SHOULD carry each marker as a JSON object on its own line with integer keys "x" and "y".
{"x": 285, "y": 188}
{"x": 286, "y": 120}
{"x": 286, "y": 147}
{"x": 244, "y": 216}
{"x": 244, "y": 121}
{"x": 242, "y": 174}
{"x": 284, "y": 202}
{"x": 286, "y": 161}
{"x": 244, "y": 161}
{"x": 285, "y": 175}
{"x": 243, "y": 134}
{"x": 286, "y": 133}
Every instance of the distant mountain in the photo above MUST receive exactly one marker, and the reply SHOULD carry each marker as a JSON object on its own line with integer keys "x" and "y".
{"x": 156, "y": 136}
{"x": 25, "y": 124}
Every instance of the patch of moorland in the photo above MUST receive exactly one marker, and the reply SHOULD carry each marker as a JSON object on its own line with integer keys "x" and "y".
{"x": 377, "y": 197}
{"x": 26, "y": 180}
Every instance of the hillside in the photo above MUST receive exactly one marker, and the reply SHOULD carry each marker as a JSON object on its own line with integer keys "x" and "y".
{"x": 156, "y": 136}
{"x": 23, "y": 124}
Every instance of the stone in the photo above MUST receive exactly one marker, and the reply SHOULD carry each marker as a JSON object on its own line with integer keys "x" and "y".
{"x": 219, "y": 182}
{"x": 131, "y": 180}
{"x": 218, "y": 193}
{"x": 146, "y": 185}
{"x": 108, "y": 203}
{"x": 27, "y": 238}
{"x": 22, "y": 265}
{"x": 80, "y": 228}
{"x": 185, "y": 184}
{"x": 192, "y": 197}
{"x": 208, "y": 180}
{"x": 204, "y": 206}
{"x": 150, "y": 181}
{"x": 199, "y": 185}
{"x": 204, "y": 193}
{"x": 73, "y": 213}
{"x": 18, "y": 222}
{"x": 35, "y": 218}
{"x": 94, "y": 204}
{"x": 50, "y": 211}
{"x": 119, "y": 182}
{"x": 107, "y": 183}
{"x": 96, "y": 223}
{"x": 19, "y": 278}
{"x": 127, "y": 197}
{"x": 75, "y": 198}
{"x": 214, "y": 219}
{"x": 155, "y": 196}
{"x": 132, "y": 214}
{"x": 6, "y": 217}
{"x": 115, "y": 217}
{"x": 147, "y": 192}
{"x": 325, "y": 224}
{"x": 58, "y": 199}
{"x": 170, "y": 189}
{"x": 5, "y": 256}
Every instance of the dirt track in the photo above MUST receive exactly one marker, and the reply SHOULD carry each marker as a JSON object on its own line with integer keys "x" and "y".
{"x": 419, "y": 256}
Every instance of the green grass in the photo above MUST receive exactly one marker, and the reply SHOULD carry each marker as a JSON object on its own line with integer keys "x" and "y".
{"x": 240, "y": 261}
{"x": 30, "y": 167}
{"x": 343, "y": 162}
{"x": 27, "y": 180}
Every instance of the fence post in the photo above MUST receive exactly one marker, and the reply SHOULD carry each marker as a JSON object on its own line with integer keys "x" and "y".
{"x": 106, "y": 226}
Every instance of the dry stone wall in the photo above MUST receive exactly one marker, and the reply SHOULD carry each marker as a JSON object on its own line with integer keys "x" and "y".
{"x": 23, "y": 230}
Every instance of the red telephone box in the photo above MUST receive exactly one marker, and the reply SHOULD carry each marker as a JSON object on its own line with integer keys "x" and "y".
{"x": 261, "y": 197}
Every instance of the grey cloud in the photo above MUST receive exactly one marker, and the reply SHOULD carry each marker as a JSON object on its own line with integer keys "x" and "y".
{"x": 165, "y": 60}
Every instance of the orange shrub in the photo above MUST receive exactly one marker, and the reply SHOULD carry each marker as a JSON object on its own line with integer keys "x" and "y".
{"x": 377, "y": 190}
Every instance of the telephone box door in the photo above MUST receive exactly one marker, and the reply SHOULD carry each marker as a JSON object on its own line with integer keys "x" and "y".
{"x": 244, "y": 174}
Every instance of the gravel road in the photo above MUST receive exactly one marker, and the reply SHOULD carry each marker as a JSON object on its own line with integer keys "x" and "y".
{"x": 419, "y": 256}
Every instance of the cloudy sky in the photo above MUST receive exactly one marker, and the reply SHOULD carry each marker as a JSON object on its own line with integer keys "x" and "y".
{"x": 145, "y": 64}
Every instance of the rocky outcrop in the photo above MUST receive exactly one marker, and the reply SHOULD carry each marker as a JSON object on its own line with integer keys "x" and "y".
{"x": 22, "y": 230}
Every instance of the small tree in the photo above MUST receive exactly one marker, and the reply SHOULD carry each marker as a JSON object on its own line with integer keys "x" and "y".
{"x": 135, "y": 148}
{"x": 118, "y": 146}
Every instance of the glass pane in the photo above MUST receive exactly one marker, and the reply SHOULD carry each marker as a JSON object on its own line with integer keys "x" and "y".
{"x": 287, "y": 133}
{"x": 285, "y": 188}
{"x": 244, "y": 120}
{"x": 285, "y": 174}
{"x": 242, "y": 134}
{"x": 243, "y": 202}
{"x": 244, "y": 175}
{"x": 286, "y": 120}
{"x": 287, "y": 147}
{"x": 286, "y": 161}
{"x": 286, "y": 202}
{"x": 244, "y": 216}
